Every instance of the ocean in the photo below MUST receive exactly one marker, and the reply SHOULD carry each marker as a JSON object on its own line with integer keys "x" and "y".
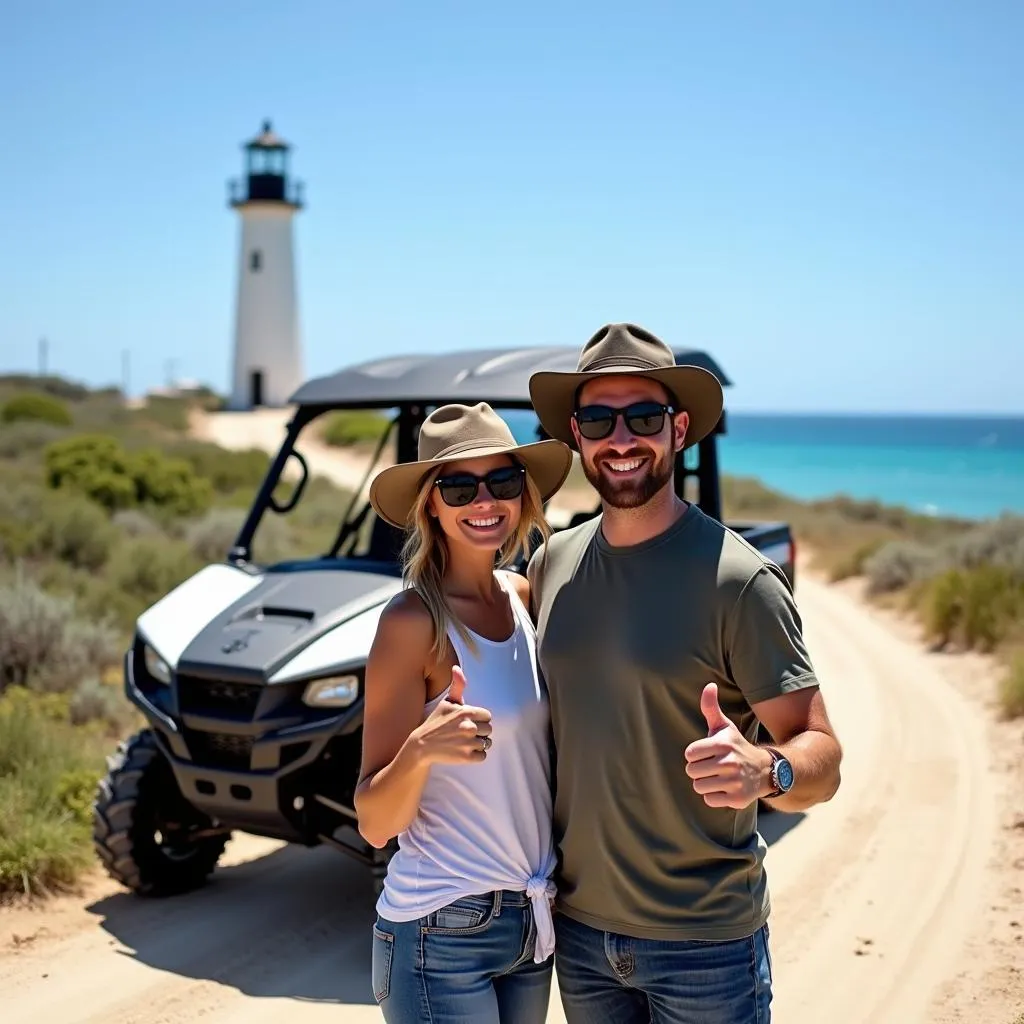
{"x": 972, "y": 467}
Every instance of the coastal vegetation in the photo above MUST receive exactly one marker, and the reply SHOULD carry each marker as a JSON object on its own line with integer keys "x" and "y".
{"x": 106, "y": 505}
{"x": 354, "y": 428}
{"x": 104, "y": 508}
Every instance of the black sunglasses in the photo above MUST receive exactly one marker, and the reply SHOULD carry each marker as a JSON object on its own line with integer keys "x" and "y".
{"x": 645, "y": 419}
{"x": 458, "y": 489}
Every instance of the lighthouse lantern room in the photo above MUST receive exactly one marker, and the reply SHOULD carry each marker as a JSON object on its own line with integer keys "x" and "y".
{"x": 267, "y": 364}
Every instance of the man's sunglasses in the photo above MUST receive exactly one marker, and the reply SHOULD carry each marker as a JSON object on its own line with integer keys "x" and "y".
{"x": 504, "y": 484}
{"x": 645, "y": 419}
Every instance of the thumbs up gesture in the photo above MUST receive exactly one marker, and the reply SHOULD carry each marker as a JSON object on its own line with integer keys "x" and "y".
{"x": 726, "y": 769}
{"x": 454, "y": 732}
{"x": 458, "y": 685}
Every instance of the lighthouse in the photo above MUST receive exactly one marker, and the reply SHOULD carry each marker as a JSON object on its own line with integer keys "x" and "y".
{"x": 267, "y": 363}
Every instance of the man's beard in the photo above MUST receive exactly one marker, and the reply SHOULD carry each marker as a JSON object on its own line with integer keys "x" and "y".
{"x": 629, "y": 493}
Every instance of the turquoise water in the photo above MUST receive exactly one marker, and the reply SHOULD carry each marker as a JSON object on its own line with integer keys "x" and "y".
{"x": 960, "y": 466}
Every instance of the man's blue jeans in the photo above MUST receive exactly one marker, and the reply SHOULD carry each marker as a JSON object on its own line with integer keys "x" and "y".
{"x": 604, "y": 977}
{"x": 469, "y": 963}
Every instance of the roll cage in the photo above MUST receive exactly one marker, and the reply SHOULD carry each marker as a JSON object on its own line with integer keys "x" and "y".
{"x": 410, "y": 387}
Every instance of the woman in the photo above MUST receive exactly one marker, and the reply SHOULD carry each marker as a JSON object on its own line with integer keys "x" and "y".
{"x": 455, "y": 732}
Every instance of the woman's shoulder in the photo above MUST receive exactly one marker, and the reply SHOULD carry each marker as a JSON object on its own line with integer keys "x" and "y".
{"x": 405, "y": 619}
{"x": 520, "y": 583}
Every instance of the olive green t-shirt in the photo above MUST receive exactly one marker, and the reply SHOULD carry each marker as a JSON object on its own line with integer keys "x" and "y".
{"x": 627, "y": 639}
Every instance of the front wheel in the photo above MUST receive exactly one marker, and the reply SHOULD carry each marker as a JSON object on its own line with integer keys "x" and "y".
{"x": 144, "y": 831}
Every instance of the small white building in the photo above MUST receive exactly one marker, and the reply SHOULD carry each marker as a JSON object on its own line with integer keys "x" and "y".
{"x": 267, "y": 365}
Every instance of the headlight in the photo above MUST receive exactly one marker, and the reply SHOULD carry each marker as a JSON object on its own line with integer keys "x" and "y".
{"x": 155, "y": 665}
{"x": 334, "y": 692}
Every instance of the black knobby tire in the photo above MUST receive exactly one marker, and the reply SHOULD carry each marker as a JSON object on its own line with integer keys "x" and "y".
{"x": 144, "y": 832}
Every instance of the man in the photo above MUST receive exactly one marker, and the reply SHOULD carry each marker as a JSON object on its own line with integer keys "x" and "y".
{"x": 664, "y": 639}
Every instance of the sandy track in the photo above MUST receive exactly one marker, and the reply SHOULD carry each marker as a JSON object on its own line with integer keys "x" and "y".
{"x": 873, "y": 893}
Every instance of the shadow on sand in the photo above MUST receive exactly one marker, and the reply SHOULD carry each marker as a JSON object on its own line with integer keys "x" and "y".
{"x": 294, "y": 924}
{"x": 773, "y": 825}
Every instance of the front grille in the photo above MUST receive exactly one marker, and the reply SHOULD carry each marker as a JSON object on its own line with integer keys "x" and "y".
{"x": 219, "y": 749}
{"x": 218, "y": 698}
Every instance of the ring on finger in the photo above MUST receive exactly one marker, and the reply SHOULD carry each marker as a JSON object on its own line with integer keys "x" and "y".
{"x": 486, "y": 740}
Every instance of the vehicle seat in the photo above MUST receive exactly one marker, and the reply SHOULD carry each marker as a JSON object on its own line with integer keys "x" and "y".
{"x": 385, "y": 542}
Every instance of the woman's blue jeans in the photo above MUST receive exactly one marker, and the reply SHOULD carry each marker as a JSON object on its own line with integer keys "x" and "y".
{"x": 469, "y": 963}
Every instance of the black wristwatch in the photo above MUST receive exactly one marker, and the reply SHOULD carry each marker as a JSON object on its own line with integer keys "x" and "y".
{"x": 782, "y": 774}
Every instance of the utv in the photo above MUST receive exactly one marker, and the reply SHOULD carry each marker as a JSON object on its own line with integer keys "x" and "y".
{"x": 250, "y": 676}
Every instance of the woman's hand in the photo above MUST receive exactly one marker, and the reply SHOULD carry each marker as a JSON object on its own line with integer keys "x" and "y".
{"x": 454, "y": 732}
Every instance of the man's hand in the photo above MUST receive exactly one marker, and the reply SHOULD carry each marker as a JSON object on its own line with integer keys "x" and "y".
{"x": 727, "y": 770}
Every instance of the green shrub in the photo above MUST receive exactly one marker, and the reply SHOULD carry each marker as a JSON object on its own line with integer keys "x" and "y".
{"x": 21, "y": 507}
{"x": 145, "y": 569}
{"x": 132, "y": 522}
{"x": 75, "y": 530}
{"x": 897, "y": 565}
{"x": 27, "y": 438}
{"x": 996, "y": 542}
{"x": 1011, "y": 688}
{"x": 944, "y": 606}
{"x": 855, "y": 561}
{"x": 48, "y": 773}
{"x": 95, "y": 465}
{"x": 211, "y": 537}
{"x": 991, "y": 602}
{"x": 167, "y": 411}
{"x": 96, "y": 702}
{"x": 36, "y": 408}
{"x": 76, "y": 791}
{"x": 227, "y": 471}
{"x": 59, "y": 387}
{"x": 44, "y": 644}
{"x": 350, "y": 429}
{"x": 99, "y": 467}
{"x": 977, "y": 608}
{"x": 169, "y": 484}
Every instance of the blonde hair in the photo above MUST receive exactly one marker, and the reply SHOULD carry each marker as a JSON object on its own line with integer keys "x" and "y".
{"x": 425, "y": 555}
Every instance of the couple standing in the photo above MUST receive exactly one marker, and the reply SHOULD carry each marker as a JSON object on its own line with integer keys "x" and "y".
{"x": 569, "y": 759}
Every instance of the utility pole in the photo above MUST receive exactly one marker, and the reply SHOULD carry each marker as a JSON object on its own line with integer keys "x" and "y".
{"x": 42, "y": 357}
{"x": 126, "y": 358}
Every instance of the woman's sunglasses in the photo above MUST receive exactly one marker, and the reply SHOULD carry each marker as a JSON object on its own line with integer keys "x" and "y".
{"x": 645, "y": 419}
{"x": 504, "y": 484}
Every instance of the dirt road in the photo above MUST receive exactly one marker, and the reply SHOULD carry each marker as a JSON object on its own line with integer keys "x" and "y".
{"x": 874, "y": 894}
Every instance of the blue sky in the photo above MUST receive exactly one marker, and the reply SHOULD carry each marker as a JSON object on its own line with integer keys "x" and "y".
{"x": 828, "y": 197}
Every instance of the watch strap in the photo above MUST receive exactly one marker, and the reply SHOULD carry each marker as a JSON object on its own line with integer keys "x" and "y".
{"x": 777, "y": 756}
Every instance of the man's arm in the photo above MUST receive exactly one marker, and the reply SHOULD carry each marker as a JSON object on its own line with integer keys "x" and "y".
{"x": 768, "y": 660}
{"x": 798, "y": 723}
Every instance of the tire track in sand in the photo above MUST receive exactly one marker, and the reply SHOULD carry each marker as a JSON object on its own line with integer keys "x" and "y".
{"x": 887, "y": 880}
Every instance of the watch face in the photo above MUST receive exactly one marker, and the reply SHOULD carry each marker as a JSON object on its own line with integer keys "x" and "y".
{"x": 785, "y": 775}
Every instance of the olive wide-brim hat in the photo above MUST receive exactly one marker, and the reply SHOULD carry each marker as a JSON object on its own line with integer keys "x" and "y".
{"x": 455, "y": 432}
{"x": 628, "y": 349}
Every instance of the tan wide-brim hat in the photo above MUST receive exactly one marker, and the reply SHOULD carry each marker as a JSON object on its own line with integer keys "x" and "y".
{"x": 456, "y": 432}
{"x": 628, "y": 349}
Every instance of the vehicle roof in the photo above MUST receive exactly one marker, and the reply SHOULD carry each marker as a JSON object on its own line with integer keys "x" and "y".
{"x": 498, "y": 376}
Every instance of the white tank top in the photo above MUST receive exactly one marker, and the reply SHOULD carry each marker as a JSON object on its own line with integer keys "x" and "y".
{"x": 486, "y": 825}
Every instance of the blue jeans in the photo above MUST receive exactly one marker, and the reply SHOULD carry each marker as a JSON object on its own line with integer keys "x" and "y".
{"x": 605, "y": 977}
{"x": 468, "y": 963}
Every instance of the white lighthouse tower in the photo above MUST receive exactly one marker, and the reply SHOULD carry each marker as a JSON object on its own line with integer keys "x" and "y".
{"x": 267, "y": 365}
